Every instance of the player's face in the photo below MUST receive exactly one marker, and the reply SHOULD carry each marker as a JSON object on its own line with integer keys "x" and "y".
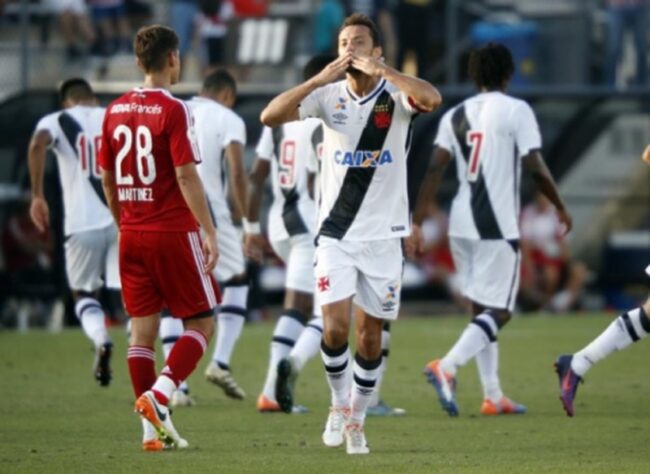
{"x": 357, "y": 40}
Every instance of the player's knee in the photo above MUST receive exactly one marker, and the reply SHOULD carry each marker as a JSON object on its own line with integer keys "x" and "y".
{"x": 369, "y": 343}
{"x": 501, "y": 316}
{"x": 335, "y": 335}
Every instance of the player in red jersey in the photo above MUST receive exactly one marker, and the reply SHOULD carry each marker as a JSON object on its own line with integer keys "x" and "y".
{"x": 148, "y": 161}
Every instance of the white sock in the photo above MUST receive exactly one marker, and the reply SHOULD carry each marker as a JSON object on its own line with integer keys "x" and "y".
{"x": 91, "y": 315}
{"x": 308, "y": 344}
{"x": 164, "y": 385}
{"x": 478, "y": 334}
{"x": 287, "y": 330}
{"x": 338, "y": 371}
{"x": 365, "y": 381}
{"x": 170, "y": 330}
{"x": 487, "y": 363}
{"x": 385, "y": 348}
{"x": 623, "y": 331}
{"x": 230, "y": 322}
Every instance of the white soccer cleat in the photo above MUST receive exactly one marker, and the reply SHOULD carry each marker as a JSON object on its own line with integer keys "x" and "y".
{"x": 224, "y": 379}
{"x": 150, "y": 441}
{"x": 160, "y": 418}
{"x": 333, "y": 434}
{"x": 355, "y": 439}
{"x": 181, "y": 399}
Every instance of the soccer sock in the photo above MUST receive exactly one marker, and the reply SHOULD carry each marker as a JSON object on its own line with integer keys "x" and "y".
{"x": 487, "y": 363}
{"x": 623, "y": 331}
{"x": 91, "y": 315}
{"x": 385, "y": 346}
{"x": 142, "y": 368}
{"x": 365, "y": 381}
{"x": 308, "y": 344}
{"x": 181, "y": 362}
{"x": 287, "y": 330}
{"x": 338, "y": 370}
{"x": 479, "y": 333}
{"x": 230, "y": 322}
{"x": 170, "y": 331}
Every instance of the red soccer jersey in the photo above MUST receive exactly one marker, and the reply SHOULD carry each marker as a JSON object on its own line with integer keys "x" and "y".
{"x": 146, "y": 134}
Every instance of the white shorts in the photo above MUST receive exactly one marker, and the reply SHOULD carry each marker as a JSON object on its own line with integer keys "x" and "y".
{"x": 231, "y": 252}
{"x": 369, "y": 270}
{"x": 91, "y": 254}
{"x": 297, "y": 253}
{"x": 488, "y": 270}
{"x": 60, "y": 6}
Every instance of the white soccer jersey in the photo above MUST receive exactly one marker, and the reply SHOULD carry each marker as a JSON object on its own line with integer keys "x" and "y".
{"x": 76, "y": 137}
{"x": 488, "y": 134}
{"x": 292, "y": 149}
{"x": 216, "y": 127}
{"x": 363, "y": 194}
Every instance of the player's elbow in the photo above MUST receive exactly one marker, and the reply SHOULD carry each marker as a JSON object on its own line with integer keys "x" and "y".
{"x": 432, "y": 100}
{"x": 270, "y": 119}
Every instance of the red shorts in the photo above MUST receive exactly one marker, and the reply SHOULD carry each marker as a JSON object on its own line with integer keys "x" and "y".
{"x": 165, "y": 270}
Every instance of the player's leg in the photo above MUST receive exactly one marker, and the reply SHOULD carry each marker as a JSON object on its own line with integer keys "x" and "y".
{"x": 171, "y": 329}
{"x": 377, "y": 406}
{"x": 85, "y": 255}
{"x": 628, "y": 328}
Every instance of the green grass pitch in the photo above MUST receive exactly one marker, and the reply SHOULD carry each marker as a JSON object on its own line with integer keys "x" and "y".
{"x": 54, "y": 418}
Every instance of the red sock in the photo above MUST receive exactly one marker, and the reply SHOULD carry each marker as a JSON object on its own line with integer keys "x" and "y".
{"x": 185, "y": 355}
{"x": 142, "y": 368}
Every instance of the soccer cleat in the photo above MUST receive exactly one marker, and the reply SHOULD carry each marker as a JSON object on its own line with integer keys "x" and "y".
{"x": 102, "y": 366}
{"x": 333, "y": 434}
{"x": 505, "y": 406}
{"x": 266, "y": 405}
{"x": 160, "y": 417}
{"x": 284, "y": 384}
{"x": 355, "y": 439}
{"x": 383, "y": 409}
{"x": 181, "y": 398}
{"x": 223, "y": 378}
{"x": 150, "y": 441}
{"x": 445, "y": 385}
{"x": 569, "y": 381}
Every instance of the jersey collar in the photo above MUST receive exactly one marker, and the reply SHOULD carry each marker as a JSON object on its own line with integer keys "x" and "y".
{"x": 362, "y": 100}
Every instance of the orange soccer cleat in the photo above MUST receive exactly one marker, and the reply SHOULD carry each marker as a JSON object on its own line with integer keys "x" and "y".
{"x": 505, "y": 406}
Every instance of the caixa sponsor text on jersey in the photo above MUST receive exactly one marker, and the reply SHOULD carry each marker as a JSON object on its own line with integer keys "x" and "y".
{"x": 363, "y": 158}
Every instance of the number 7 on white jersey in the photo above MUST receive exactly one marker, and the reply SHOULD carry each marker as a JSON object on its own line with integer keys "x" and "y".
{"x": 474, "y": 140}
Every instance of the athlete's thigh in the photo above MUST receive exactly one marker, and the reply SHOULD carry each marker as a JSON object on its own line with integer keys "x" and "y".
{"x": 300, "y": 266}
{"x": 334, "y": 270}
{"x": 380, "y": 268}
{"x": 495, "y": 274}
{"x": 231, "y": 253}
{"x": 140, "y": 293}
{"x": 112, "y": 263}
{"x": 85, "y": 253}
{"x": 461, "y": 252}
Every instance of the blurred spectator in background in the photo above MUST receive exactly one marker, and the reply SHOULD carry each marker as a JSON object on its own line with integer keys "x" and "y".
{"x": 379, "y": 12}
{"x": 75, "y": 24}
{"x": 109, "y": 18}
{"x": 626, "y": 15}
{"x": 245, "y": 8}
{"x": 327, "y": 20}
{"x": 414, "y": 25}
{"x": 213, "y": 28}
{"x": 183, "y": 17}
{"x": 550, "y": 278}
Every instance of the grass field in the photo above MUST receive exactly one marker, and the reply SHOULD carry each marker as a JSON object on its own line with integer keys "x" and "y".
{"x": 54, "y": 418}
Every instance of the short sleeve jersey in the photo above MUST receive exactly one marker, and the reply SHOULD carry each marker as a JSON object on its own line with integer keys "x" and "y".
{"x": 487, "y": 135}
{"x": 147, "y": 133}
{"x": 362, "y": 184}
{"x": 292, "y": 151}
{"x": 76, "y": 138}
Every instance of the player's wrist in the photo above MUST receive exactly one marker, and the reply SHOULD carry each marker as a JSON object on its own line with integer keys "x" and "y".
{"x": 251, "y": 228}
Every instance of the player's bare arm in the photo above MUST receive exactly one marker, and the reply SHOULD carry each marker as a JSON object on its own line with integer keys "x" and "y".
{"x": 191, "y": 187}
{"x": 110, "y": 191}
{"x": 535, "y": 164}
{"x": 284, "y": 107}
{"x": 426, "y": 97}
{"x": 253, "y": 241}
{"x": 646, "y": 155}
{"x": 237, "y": 176}
{"x": 37, "y": 153}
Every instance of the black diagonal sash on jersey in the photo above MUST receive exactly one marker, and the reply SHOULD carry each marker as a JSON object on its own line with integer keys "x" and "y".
{"x": 482, "y": 211}
{"x": 71, "y": 129}
{"x": 357, "y": 180}
{"x": 291, "y": 217}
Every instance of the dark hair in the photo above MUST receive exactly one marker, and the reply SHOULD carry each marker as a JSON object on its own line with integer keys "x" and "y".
{"x": 218, "y": 80}
{"x": 491, "y": 66}
{"x": 316, "y": 65}
{"x": 76, "y": 89}
{"x": 359, "y": 19}
{"x": 152, "y": 44}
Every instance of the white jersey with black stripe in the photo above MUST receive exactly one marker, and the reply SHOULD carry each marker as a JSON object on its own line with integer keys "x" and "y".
{"x": 363, "y": 188}
{"x": 216, "y": 127}
{"x": 292, "y": 151}
{"x": 487, "y": 135}
{"x": 76, "y": 137}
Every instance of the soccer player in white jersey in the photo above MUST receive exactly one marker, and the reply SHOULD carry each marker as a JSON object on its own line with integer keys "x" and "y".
{"x": 490, "y": 136}
{"x": 220, "y": 133}
{"x": 74, "y": 135}
{"x": 363, "y": 211}
{"x": 628, "y": 328}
